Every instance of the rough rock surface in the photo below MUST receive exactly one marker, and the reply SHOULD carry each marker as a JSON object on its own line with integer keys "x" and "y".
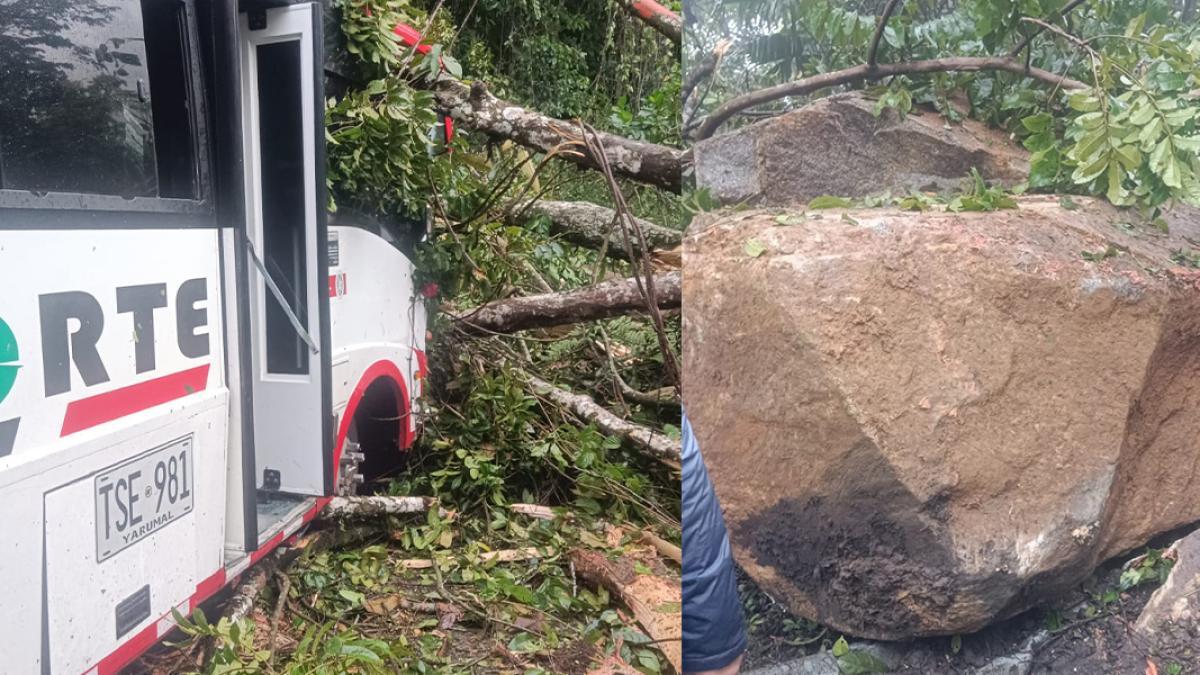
{"x": 836, "y": 146}
{"x": 1174, "y": 609}
{"x": 918, "y": 423}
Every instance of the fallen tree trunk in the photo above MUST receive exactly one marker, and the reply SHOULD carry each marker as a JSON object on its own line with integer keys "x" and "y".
{"x": 601, "y": 301}
{"x": 375, "y": 507}
{"x": 654, "y": 600}
{"x": 664, "y": 547}
{"x": 592, "y": 225}
{"x": 475, "y": 107}
{"x": 654, "y": 442}
{"x": 660, "y": 18}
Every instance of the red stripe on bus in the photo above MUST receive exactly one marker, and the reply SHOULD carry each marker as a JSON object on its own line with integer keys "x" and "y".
{"x": 126, "y": 653}
{"x": 266, "y": 548}
{"x": 206, "y": 588}
{"x": 95, "y": 410}
{"x": 312, "y": 513}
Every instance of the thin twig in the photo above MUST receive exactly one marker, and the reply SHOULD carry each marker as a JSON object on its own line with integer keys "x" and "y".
{"x": 645, "y": 282}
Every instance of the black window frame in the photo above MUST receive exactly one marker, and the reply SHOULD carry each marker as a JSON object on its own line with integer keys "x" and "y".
{"x": 28, "y": 209}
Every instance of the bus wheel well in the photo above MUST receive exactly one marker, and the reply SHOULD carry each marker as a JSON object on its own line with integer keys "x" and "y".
{"x": 378, "y": 426}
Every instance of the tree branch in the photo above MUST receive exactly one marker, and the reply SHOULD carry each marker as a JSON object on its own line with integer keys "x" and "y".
{"x": 1029, "y": 38}
{"x": 590, "y": 226}
{"x": 863, "y": 72}
{"x": 660, "y": 18}
{"x": 703, "y": 70}
{"x": 654, "y": 442}
{"x": 475, "y": 107}
{"x": 601, "y": 301}
{"x": 879, "y": 28}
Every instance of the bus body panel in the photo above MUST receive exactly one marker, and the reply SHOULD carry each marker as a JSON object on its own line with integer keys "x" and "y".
{"x": 370, "y": 322}
{"x": 127, "y": 454}
{"x": 121, "y": 301}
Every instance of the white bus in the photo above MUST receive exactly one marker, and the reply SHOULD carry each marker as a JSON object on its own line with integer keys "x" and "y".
{"x": 192, "y": 350}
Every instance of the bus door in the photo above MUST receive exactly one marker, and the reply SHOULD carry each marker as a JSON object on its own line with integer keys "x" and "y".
{"x": 283, "y": 136}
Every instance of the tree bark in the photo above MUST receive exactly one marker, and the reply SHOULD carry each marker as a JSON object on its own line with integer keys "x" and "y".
{"x": 808, "y": 85}
{"x": 474, "y": 107}
{"x": 654, "y": 442}
{"x": 660, "y": 18}
{"x": 601, "y": 301}
{"x": 375, "y": 506}
{"x": 590, "y": 225}
{"x": 654, "y": 600}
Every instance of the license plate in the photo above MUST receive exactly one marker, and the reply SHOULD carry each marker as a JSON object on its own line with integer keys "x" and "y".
{"x": 143, "y": 495}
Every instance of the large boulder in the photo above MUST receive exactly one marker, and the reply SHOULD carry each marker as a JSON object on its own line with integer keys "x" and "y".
{"x": 918, "y": 423}
{"x": 838, "y": 146}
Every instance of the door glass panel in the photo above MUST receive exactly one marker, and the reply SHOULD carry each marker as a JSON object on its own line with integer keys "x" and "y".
{"x": 281, "y": 138}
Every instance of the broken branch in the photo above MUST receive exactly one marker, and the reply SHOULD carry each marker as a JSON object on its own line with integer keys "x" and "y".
{"x": 655, "y": 601}
{"x": 601, "y": 301}
{"x": 658, "y": 17}
{"x": 655, "y": 442}
{"x": 475, "y": 107}
{"x": 591, "y": 225}
{"x": 376, "y": 506}
{"x": 808, "y": 85}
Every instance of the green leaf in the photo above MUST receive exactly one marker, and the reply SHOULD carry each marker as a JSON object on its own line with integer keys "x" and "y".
{"x": 1129, "y": 156}
{"x": 1115, "y": 193}
{"x": 1083, "y": 102}
{"x": 841, "y": 647}
{"x": 1038, "y": 123}
{"x": 829, "y": 202}
{"x": 754, "y": 248}
{"x": 524, "y": 643}
{"x": 354, "y": 597}
{"x": 649, "y": 660}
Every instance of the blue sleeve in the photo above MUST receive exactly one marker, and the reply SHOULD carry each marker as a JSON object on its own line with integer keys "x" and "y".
{"x": 713, "y": 630}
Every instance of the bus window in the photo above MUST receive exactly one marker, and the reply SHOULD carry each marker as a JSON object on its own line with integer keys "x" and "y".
{"x": 96, "y": 98}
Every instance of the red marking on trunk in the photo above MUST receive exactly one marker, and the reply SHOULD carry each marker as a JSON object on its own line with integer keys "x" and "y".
{"x": 86, "y": 413}
{"x": 648, "y": 9}
{"x": 410, "y": 36}
{"x": 422, "y": 364}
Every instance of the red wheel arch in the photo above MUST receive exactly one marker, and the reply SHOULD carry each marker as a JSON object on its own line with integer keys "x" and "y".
{"x": 380, "y": 370}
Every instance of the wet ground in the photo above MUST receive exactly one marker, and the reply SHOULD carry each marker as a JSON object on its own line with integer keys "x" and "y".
{"x": 1089, "y": 630}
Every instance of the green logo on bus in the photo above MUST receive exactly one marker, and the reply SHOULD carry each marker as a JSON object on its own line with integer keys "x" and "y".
{"x": 8, "y": 358}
